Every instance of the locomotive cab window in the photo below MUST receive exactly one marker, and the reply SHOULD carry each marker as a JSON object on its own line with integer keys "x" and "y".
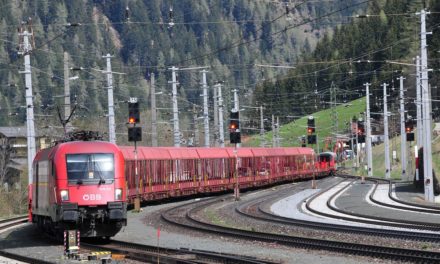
{"x": 90, "y": 168}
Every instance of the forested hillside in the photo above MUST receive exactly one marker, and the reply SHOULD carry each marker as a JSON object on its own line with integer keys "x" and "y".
{"x": 148, "y": 37}
{"x": 372, "y": 48}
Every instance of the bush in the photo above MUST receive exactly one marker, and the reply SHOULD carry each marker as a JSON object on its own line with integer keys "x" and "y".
{"x": 14, "y": 201}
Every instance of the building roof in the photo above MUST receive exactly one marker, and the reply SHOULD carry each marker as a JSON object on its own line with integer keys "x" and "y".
{"x": 21, "y": 132}
{"x": 13, "y": 132}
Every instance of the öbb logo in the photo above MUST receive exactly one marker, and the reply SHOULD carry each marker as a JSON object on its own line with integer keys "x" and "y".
{"x": 92, "y": 197}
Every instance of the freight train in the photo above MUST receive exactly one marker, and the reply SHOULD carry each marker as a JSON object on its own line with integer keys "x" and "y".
{"x": 163, "y": 172}
{"x": 79, "y": 185}
{"x": 86, "y": 184}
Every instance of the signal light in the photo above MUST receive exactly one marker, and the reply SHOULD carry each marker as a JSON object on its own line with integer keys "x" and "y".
{"x": 361, "y": 128}
{"x": 134, "y": 134}
{"x": 409, "y": 126}
{"x": 234, "y": 128}
{"x": 311, "y": 125}
{"x": 133, "y": 113}
{"x": 311, "y": 139}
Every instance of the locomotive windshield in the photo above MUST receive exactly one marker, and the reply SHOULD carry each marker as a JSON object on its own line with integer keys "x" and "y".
{"x": 90, "y": 168}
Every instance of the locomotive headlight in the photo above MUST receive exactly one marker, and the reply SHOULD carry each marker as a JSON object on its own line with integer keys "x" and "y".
{"x": 64, "y": 195}
{"x": 118, "y": 194}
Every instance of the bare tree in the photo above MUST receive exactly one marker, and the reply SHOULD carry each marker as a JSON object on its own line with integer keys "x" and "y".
{"x": 5, "y": 158}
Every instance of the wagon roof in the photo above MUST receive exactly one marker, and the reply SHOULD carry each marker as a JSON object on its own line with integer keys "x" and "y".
{"x": 291, "y": 151}
{"x": 212, "y": 153}
{"x": 145, "y": 153}
{"x": 306, "y": 151}
{"x": 260, "y": 152}
{"x": 241, "y": 152}
{"x": 183, "y": 153}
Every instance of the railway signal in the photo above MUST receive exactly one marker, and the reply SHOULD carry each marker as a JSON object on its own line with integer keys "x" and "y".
{"x": 310, "y": 125}
{"x": 311, "y": 138}
{"x": 360, "y": 127}
{"x": 234, "y": 128}
{"x": 409, "y": 128}
{"x": 133, "y": 113}
{"x": 134, "y": 133}
{"x": 360, "y": 131}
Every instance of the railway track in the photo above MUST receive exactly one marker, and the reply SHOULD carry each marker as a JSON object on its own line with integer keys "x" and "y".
{"x": 9, "y": 223}
{"x": 257, "y": 210}
{"x": 185, "y": 216}
{"x": 151, "y": 254}
{"x": 138, "y": 252}
{"x": 369, "y": 219}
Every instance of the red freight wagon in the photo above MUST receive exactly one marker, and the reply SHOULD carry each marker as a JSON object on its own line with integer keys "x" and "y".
{"x": 167, "y": 171}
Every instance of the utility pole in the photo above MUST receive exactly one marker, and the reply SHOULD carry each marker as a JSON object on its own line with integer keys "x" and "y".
{"x": 176, "y": 131}
{"x": 419, "y": 115}
{"x": 278, "y": 132}
{"x": 205, "y": 108}
{"x": 274, "y": 143}
{"x": 237, "y": 107}
{"x": 427, "y": 116}
{"x": 216, "y": 106}
{"x": 111, "y": 107}
{"x": 236, "y": 103}
{"x": 67, "y": 91}
{"x": 153, "y": 111}
{"x": 368, "y": 127}
{"x": 385, "y": 129}
{"x": 220, "y": 116}
{"x": 262, "y": 141}
{"x": 196, "y": 127}
{"x": 25, "y": 49}
{"x": 358, "y": 165}
{"x": 333, "y": 103}
{"x": 402, "y": 130}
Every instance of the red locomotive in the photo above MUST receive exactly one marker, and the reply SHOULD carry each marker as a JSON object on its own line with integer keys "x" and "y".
{"x": 79, "y": 185}
{"x": 170, "y": 172}
{"x": 327, "y": 160}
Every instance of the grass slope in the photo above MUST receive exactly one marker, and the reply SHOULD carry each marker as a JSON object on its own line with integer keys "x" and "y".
{"x": 291, "y": 134}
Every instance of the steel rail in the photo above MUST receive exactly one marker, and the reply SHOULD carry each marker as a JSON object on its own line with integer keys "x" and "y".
{"x": 426, "y": 206}
{"x": 142, "y": 252}
{"x": 21, "y": 258}
{"x": 13, "y": 219}
{"x": 414, "y": 208}
{"x": 7, "y": 223}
